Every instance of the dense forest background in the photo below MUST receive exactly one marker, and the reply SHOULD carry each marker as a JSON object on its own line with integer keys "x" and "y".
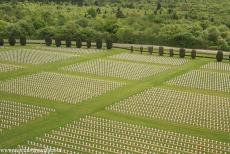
{"x": 183, "y": 23}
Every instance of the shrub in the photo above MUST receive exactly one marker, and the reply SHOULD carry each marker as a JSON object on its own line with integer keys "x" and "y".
{"x": 1, "y": 41}
{"x": 58, "y": 42}
{"x": 141, "y": 49}
{"x": 48, "y": 40}
{"x": 92, "y": 12}
{"x": 109, "y": 43}
{"x": 79, "y": 43}
{"x": 88, "y": 43}
{"x": 219, "y": 56}
{"x": 229, "y": 58}
{"x": 68, "y": 42}
{"x": 12, "y": 41}
{"x": 120, "y": 14}
{"x": 99, "y": 43}
{"x": 161, "y": 51}
{"x": 23, "y": 40}
{"x": 193, "y": 54}
{"x": 150, "y": 50}
{"x": 171, "y": 52}
{"x": 131, "y": 49}
{"x": 182, "y": 52}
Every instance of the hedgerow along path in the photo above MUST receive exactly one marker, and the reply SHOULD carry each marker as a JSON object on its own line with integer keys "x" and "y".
{"x": 66, "y": 113}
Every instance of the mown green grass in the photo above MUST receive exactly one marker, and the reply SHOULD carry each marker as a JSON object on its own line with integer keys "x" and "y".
{"x": 66, "y": 113}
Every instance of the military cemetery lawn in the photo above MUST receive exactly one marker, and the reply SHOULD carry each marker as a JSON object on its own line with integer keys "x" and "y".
{"x": 112, "y": 101}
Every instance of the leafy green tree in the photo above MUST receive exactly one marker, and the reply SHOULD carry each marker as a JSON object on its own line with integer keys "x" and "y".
{"x": 92, "y": 12}
{"x": 120, "y": 14}
{"x": 213, "y": 34}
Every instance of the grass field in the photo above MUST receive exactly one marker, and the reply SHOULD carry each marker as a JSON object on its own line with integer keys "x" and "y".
{"x": 96, "y": 106}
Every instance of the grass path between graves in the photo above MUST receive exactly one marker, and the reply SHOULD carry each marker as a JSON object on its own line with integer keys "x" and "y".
{"x": 66, "y": 113}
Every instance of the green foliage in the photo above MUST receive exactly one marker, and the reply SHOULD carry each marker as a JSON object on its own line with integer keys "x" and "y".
{"x": 175, "y": 23}
{"x": 219, "y": 56}
{"x": 92, "y": 12}
{"x": 120, "y": 14}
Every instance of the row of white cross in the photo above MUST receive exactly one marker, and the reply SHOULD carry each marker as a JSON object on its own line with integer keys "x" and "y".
{"x": 111, "y": 68}
{"x": 98, "y": 135}
{"x": 180, "y": 107}
{"x": 203, "y": 80}
{"x": 150, "y": 59}
{"x": 14, "y": 114}
{"x": 58, "y": 87}
{"x": 29, "y": 56}
{"x": 7, "y": 67}
{"x": 217, "y": 66}
{"x": 79, "y": 51}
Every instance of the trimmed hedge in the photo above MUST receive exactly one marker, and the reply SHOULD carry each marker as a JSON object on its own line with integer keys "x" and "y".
{"x": 219, "y": 56}
{"x": 131, "y": 49}
{"x": 150, "y": 50}
{"x": 23, "y": 40}
{"x": 78, "y": 43}
{"x": 99, "y": 43}
{"x": 161, "y": 51}
{"x": 12, "y": 41}
{"x": 193, "y": 54}
{"x": 68, "y": 42}
{"x": 182, "y": 52}
{"x": 58, "y": 42}
{"x": 109, "y": 44}
{"x": 88, "y": 43}
{"x": 1, "y": 41}
{"x": 48, "y": 41}
{"x": 141, "y": 49}
{"x": 171, "y": 52}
